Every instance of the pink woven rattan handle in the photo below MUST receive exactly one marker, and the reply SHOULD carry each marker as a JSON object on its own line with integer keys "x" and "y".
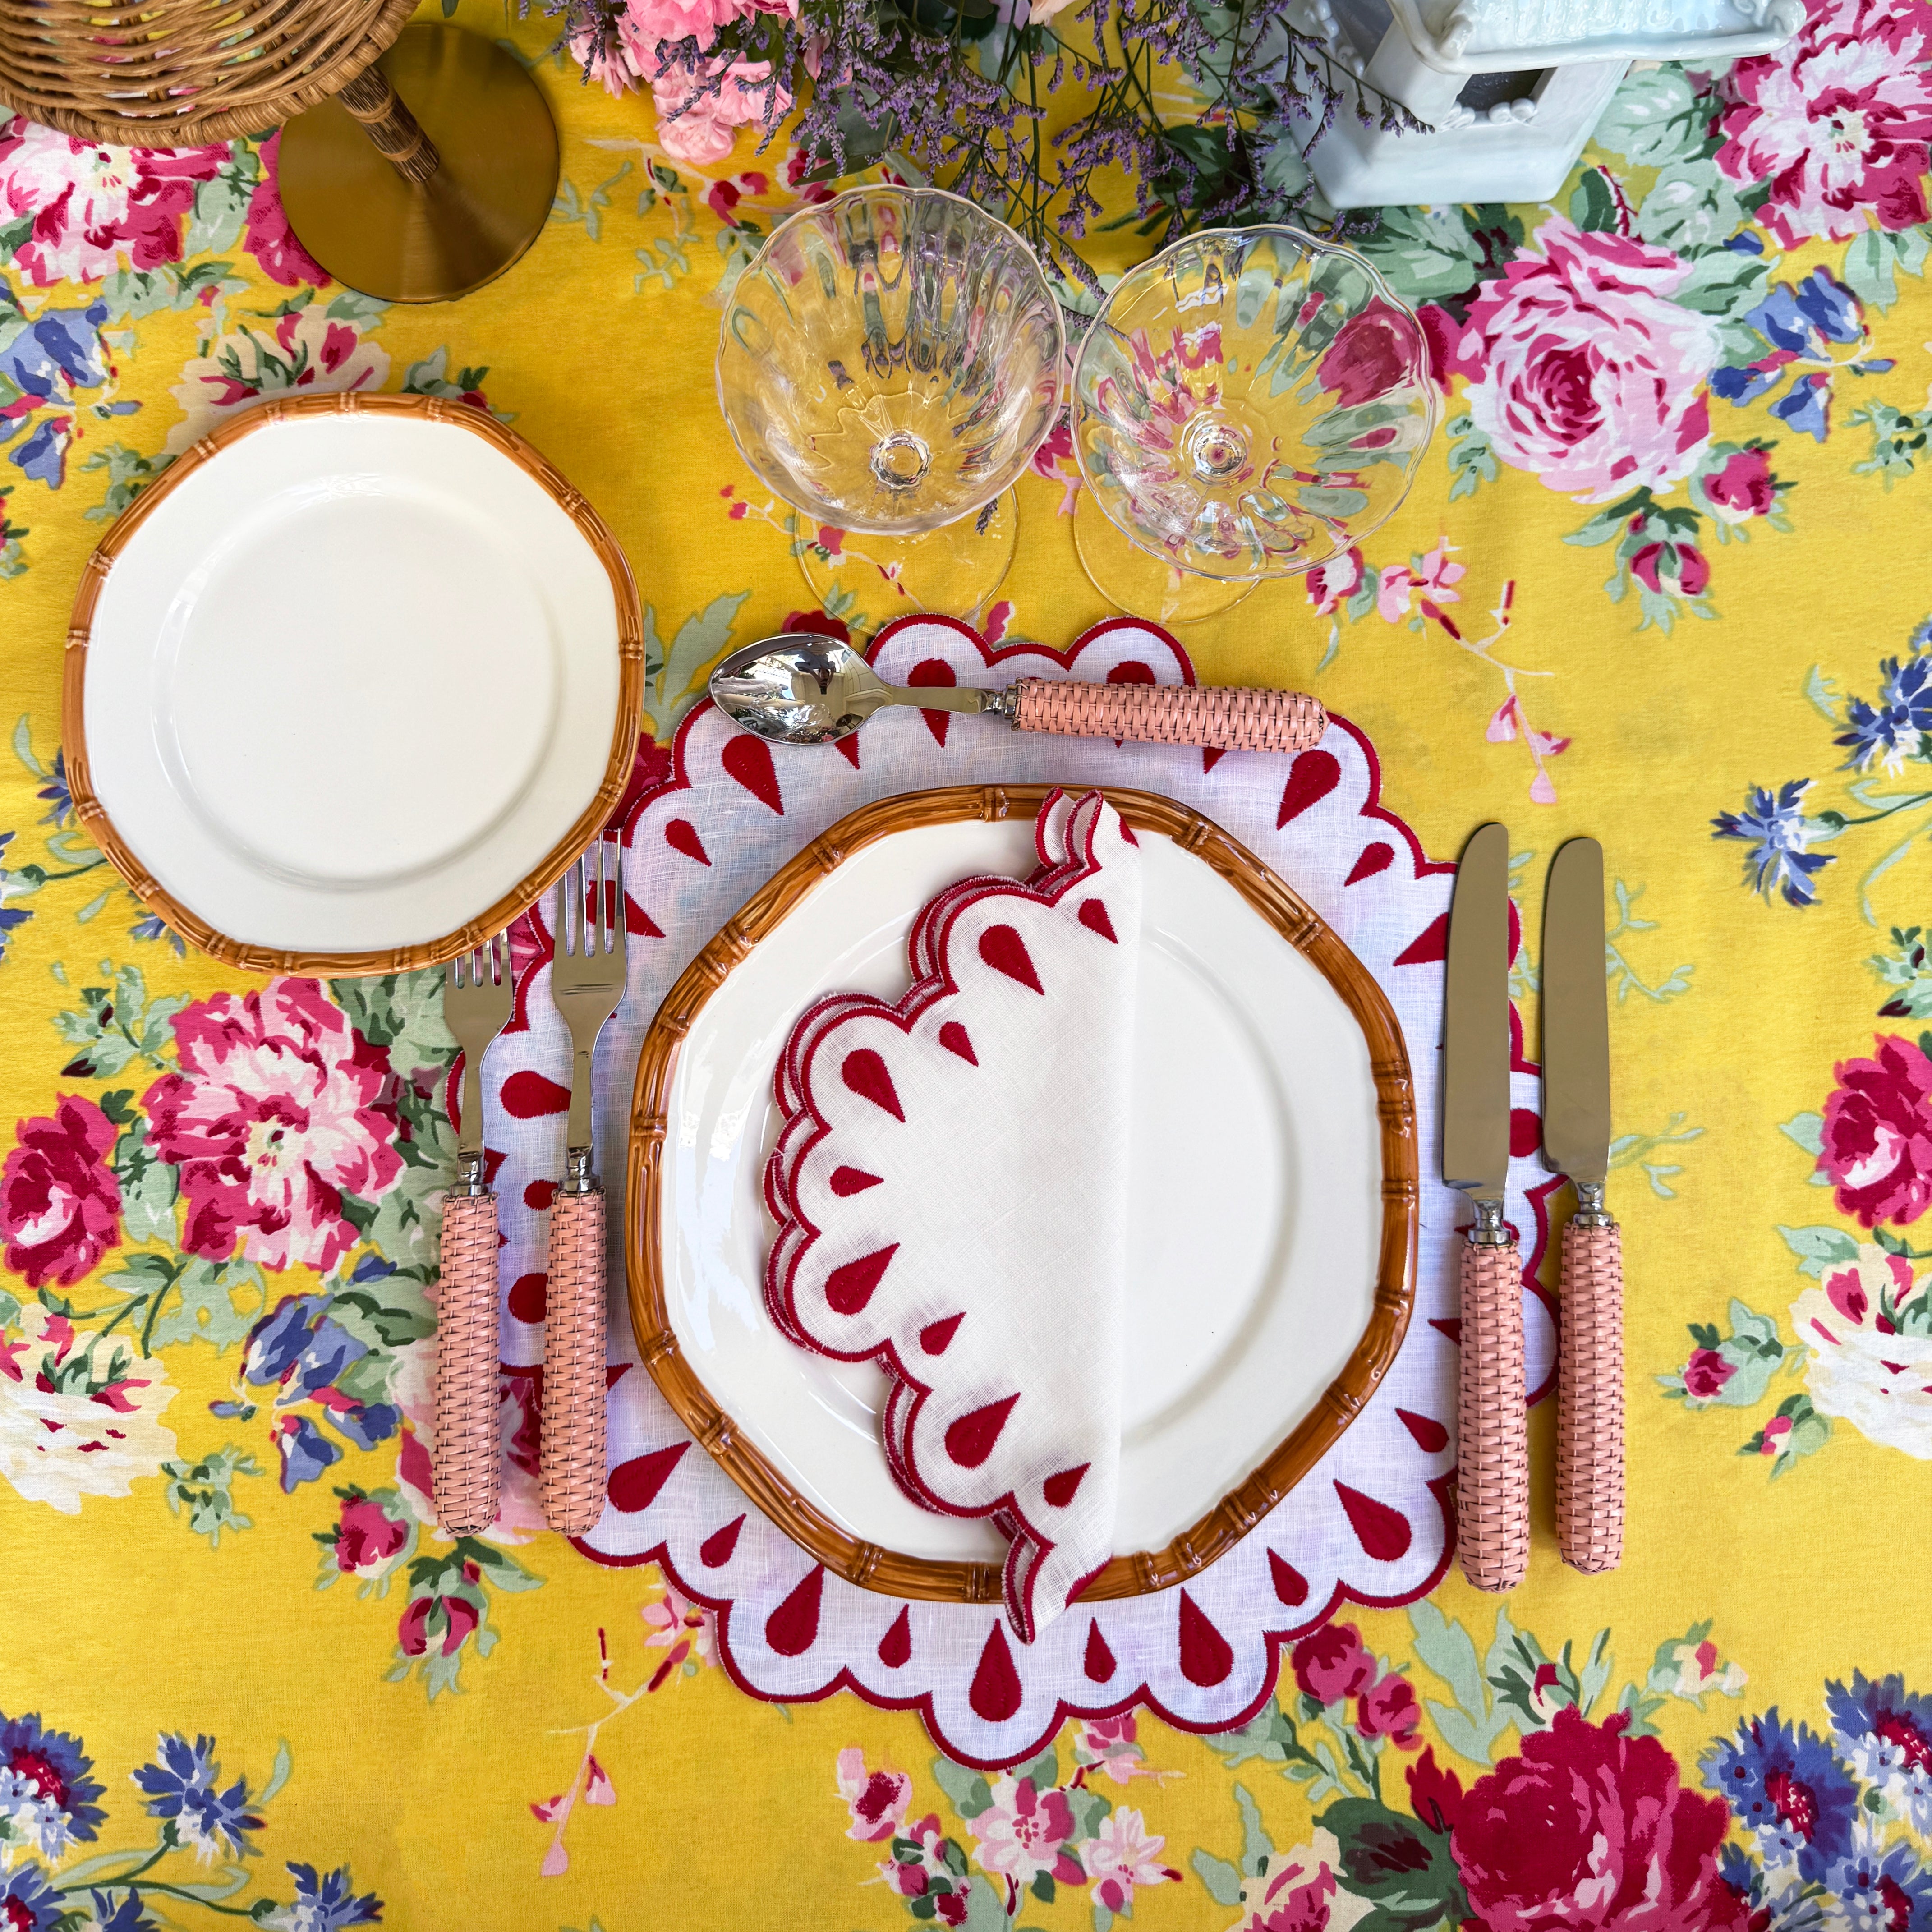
{"x": 468, "y": 1467}
{"x": 572, "y": 1449}
{"x": 1590, "y": 1399}
{"x": 1172, "y": 714}
{"x": 1492, "y": 1461}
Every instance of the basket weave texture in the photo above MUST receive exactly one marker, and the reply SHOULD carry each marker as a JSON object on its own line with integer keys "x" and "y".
{"x": 179, "y": 73}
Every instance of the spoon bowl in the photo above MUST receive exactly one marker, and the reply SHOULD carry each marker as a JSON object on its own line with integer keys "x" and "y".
{"x": 802, "y": 688}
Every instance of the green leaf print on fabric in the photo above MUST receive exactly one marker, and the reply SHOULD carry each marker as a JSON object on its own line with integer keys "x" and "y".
{"x": 673, "y": 676}
{"x": 205, "y": 1492}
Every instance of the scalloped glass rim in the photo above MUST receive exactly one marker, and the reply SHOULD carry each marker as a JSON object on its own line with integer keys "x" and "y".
{"x": 1009, "y": 472}
{"x": 1138, "y": 278}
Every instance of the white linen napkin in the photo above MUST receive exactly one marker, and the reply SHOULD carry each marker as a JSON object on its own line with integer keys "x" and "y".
{"x": 950, "y": 1187}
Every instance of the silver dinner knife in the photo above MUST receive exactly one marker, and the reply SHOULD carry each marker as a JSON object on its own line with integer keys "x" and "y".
{"x": 1576, "y": 1142}
{"x": 1492, "y": 1456}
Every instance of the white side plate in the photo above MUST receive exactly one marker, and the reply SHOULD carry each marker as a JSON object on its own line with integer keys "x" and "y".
{"x": 1256, "y": 1188}
{"x": 354, "y": 678}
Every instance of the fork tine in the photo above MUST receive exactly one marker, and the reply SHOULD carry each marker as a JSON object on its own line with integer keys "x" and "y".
{"x": 604, "y": 939}
{"x": 620, "y": 924}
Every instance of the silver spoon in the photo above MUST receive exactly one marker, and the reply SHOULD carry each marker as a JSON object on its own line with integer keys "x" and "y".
{"x": 805, "y": 689}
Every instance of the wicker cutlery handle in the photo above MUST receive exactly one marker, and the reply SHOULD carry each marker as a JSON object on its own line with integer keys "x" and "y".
{"x": 1590, "y": 1399}
{"x": 574, "y": 1380}
{"x": 1172, "y": 714}
{"x": 468, "y": 1467}
{"x": 1492, "y": 1461}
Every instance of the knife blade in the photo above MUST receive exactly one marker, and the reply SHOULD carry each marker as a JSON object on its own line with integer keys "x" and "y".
{"x": 1576, "y": 1017}
{"x": 1476, "y": 1028}
{"x": 1577, "y": 1141}
{"x": 1493, "y": 1457}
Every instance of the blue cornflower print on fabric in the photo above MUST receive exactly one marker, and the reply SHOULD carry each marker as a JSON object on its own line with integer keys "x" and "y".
{"x": 1745, "y": 384}
{"x": 1783, "y": 1782}
{"x": 1807, "y": 406}
{"x": 325, "y": 1904}
{"x": 1885, "y": 1733}
{"x": 181, "y": 1787}
{"x": 46, "y": 1797}
{"x": 56, "y": 794}
{"x": 1882, "y": 1890}
{"x": 304, "y": 1450}
{"x": 118, "y": 1913}
{"x": 366, "y": 1423}
{"x": 12, "y": 918}
{"x": 28, "y": 1903}
{"x": 1891, "y": 731}
{"x": 60, "y": 345}
{"x": 43, "y": 455}
{"x": 1774, "y": 826}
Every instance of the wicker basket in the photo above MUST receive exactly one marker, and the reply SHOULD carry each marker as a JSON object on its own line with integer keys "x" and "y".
{"x": 180, "y": 73}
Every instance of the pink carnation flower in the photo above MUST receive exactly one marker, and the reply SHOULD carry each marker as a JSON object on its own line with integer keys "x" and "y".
{"x": 1838, "y": 121}
{"x": 1583, "y": 371}
{"x": 276, "y": 1114}
{"x": 698, "y": 122}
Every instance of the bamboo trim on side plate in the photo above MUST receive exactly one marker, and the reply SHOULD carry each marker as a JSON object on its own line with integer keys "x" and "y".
{"x": 521, "y": 897}
{"x": 889, "y": 1571}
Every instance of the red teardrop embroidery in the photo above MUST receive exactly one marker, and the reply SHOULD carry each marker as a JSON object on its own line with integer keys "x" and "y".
{"x": 1290, "y": 1585}
{"x": 1430, "y": 946}
{"x": 995, "y": 1694}
{"x": 955, "y": 1039}
{"x": 1005, "y": 951}
{"x": 849, "y": 747}
{"x": 1206, "y": 1657}
{"x": 1059, "y": 1490}
{"x": 749, "y": 759}
{"x": 1430, "y": 1436}
{"x": 1526, "y": 1131}
{"x": 639, "y": 922}
{"x": 896, "y": 1646}
{"x": 970, "y": 1441}
{"x": 1211, "y": 755}
{"x": 528, "y": 1096}
{"x": 529, "y": 1297}
{"x": 847, "y": 1289}
{"x": 1312, "y": 776}
{"x": 1383, "y": 1532}
{"x": 715, "y": 1551}
{"x": 791, "y": 1629}
{"x": 1451, "y": 1326}
{"x": 847, "y": 1180}
{"x": 634, "y": 1485}
{"x": 923, "y": 676}
{"x": 538, "y": 1195}
{"x": 933, "y": 1337}
{"x": 1093, "y": 917}
{"x": 681, "y": 836}
{"x": 865, "y": 1072}
{"x": 1375, "y": 859}
{"x": 1131, "y": 671}
{"x": 1098, "y": 1662}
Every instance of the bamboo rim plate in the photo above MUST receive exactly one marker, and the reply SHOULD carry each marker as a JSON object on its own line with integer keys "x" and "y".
{"x": 1274, "y": 1180}
{"x": 351, "y": 684}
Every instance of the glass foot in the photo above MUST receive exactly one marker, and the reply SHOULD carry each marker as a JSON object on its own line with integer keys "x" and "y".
{"x": 867, "y": 581}
{"x": 1136, "y": 581}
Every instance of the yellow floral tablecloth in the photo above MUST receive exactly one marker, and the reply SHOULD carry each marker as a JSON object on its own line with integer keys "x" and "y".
{"x": 1663, "y": 579}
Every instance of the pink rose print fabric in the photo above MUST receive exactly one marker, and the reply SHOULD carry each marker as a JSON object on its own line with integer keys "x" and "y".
{"x": 60, "y": 1199}
{"x": 950, "y": 1190}
{"x": 1581, "y": 368}
{"x": 278, "y": 1113}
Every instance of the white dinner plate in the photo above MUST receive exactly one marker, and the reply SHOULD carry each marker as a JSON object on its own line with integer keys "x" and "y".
{"x": 1256, "y": 1241}
{"x": 355, "y": 681}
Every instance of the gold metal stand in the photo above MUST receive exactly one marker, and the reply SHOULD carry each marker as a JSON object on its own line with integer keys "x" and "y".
{"x": 424, "y": 202}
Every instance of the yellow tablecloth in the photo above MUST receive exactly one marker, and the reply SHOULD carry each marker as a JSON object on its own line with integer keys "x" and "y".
{"x": 1667, "y": 567}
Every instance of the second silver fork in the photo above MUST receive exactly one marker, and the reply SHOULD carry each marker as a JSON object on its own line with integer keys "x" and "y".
{"x": 587, "y": 968}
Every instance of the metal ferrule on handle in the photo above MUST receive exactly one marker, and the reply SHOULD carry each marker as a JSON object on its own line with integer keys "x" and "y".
{"x": 1171, "y": 714}
{"x": 1493, "y": 1458}
{"x": 467, "y": 1466}
{"x": 1590, "y": 1391}
{"x": 572, "y": 1448}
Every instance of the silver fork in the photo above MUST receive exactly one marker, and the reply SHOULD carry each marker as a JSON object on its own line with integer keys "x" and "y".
{"x": 587, "y": 983}
{"x": 477, "y": 997}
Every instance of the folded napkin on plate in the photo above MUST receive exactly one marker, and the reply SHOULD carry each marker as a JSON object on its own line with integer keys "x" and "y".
{"x": 950, "y": 1189}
